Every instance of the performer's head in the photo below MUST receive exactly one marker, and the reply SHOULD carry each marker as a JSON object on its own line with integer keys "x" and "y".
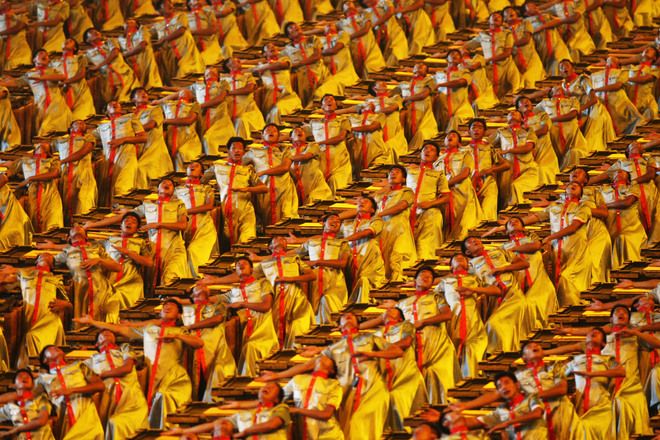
{"x": 195, "y": 169}
{"x": 459, "y": 263}
{"x": 634, "y": 149}
{"x": 453, "y": 139}
{"x": 420, "y": 70}
{"x": 130, "y": 223}
{"x": 270, "y": 133}
{"x": 325, "y": 365}
{"x": 105, "y": 339}
{"x": 271, "y": 51}
{"x": 278, "y": 244}
{"x": 515, "y": 224}
{"x": 45, "y": 261}
{"x": 367, "y": 205}
{"x": 454, "y": 57}
{"x": 620, "y": 315}
{"x": 524, "y": 105}
{"x": 566, "y": 68}
{"x": 621, "y": 177}
{"x": 92, "y": 36}
{"x": 331, "y": 223}
{"x": 298, "y": 135}
{"x": 348, "y": 322}
{"x": 77, "y": 234}
{"x": 200, "y": 294}
{"x": 271, "y": 394}
{"x": 644, "y": 304}
{"x": 293, "y": 31}
{"x": 430, "y": 152}
{"x": 424, "y": 278}
{"x": 393, "y": 316}
{"x": 113, "y": 109}
{"x": 495, "y": 20}
{"x": 171, "y": 310}
{"x": 139, "y": 96}
{"x": 596, "y": 339}
{"x": 579, "y": 175}
{"x": 166, "y": 188}
{"x": 41, "y": 58}
{"x": 70, "y": 46}
{"x": 650, "y": 55}
{"x": 472, "y": 247}
{"x": 211, "y": 74}
{"x": 514, "y": 118}
{"x": 23, "y": 380}
{"x": 236, "y": 149}
{"x": 328, "y": 103}
{"x": 425, "y": 431}
{"x": 510, "y": 14}
{"x": 573, "y": 190}
{"x": 397, "y": 175}
{"x": 507, "y": 385}
{"x": 243, "y": 266}
{"x": 50, "y": 354}
{"x": 477, "y": 127}
{"x": 532, "y": 352}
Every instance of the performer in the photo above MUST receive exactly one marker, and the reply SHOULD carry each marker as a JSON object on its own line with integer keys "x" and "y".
{"x": 169, "y": 386}
{"x": 243, "y": 109}
{"x": 365, "y": 403}
{"x": 306, "y": 169}
{"x": 420, "y": 121}
{"x": 211, "y": 95}
{"x": 202, "y": 24}
{"x": 544, "y": 153}
{"x": 279, "y": 98}
{"x": 28, "y": 413}
{"x": 236, "y": 184}
{"x": 76, "y": 91}
{"x": 181, "y": 114}
{"x": 201, "y": 236}
{"x": 136, "y": 48}
{"x": 123, "y": 408}
{"x": 78, "y": 183}
{"x": 69, "y": 387}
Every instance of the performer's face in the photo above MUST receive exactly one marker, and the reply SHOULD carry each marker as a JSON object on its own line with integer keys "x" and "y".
{"x": 211, "y": 74}
{"x": 45, "y": 261}
{"x": 595, "y": 338}
{"x": 332, "y": 224}
{"x": 365, "y": 205}
{"x": 278, "y": 244}
{"x": 200, "y": 294}
{"x": 243, "y": 268}
{"x": 348, "y": 321}
{"x": 579, "y": 176}
{"x": 474, "y": 246}
{"x": 477, "y": 130}
{"x": 429, "y": 153}
{"x": 54, "y": 354}
{"x": 293, "y": 31}
{"x": 194, "y": 169}
{"x": 23, "y": 381}
{"x": 329, "y": 105}
{"x": 395, "y": 176}
{"x": 424, "y": 280}
{"x": 129, "y": 225}
{"x": 507, "y": 388}
{"x": 140, "y": 97}
{"x": 169, "y": 312}
{"x": 533, "y": 352}
{"x": 459, "y": 262}
{"x": 525, "y": 106}
{"x": 620, "y": 316}
{"x": 77, "y": 233}
{"x": 565, "y": 69}
{"x": 237, "y": 151}
{"x": 514, "y": 225}
{"x": 105, "y": 338}
{"x": 270, "y": 134}
{"x": 165, "y": 189}
{"x": 269, "y": 393}
{"x": 573, "y": 189}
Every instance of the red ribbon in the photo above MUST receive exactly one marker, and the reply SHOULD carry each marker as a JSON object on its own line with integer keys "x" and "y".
{"x": 152, "y": 378}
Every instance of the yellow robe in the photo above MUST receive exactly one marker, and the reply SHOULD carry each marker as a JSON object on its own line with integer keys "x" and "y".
{"x": 119, "y": 78}
{"x": 52, "y": 112}
{"x": 397, "y": 241}
{"x": 329, "y": 292}
{"x": 128, "y": 283}
{"x": 307, "y": 176}
{"x": 566, "y": 136}
{"x": 122, "y": 165}
{"x": 13, "y": 412}
{"x": 259, "y": 339}
{"x": 201, "y": 237}
{"x": 44, "y": 204}
{"x": 144, "y": 63}
{"x": 292, "y": 312}
{"x": 76, "y": 407}
{"x": 15, "y": 226}
{"x": 335, "y": 160}
{"x": 216, "y": 121}
{"x": 435, "y": 352}
{"x": 154, "y": 160}
{"x": 523, "y": 175}
{"x": 183, "y": 141}
{"x": 79, "y": 190}
{"x": 260, "y": 22}
{"x": 123, "y": 407}
{"x": 427, "y": 184}
{"x": 214, "y": 363}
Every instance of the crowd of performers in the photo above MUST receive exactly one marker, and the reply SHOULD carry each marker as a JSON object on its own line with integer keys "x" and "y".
{"x": 178, "y": 83}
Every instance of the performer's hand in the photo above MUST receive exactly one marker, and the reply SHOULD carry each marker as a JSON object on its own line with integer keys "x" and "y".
{"x": 498, "y": 427}
{"x": 88, "y": 264}
{"x": 596, "y": 306}
{"x": 625, "y": 284}
{"x": 85, "y": 319}
{"x": 58, "y": 305}
{"x": 174, "y": 431}
{"x": 268, "y": 376}
{"x": 61, "y": 392}
{"x": 457, "y": 407}
{"x": 150, "y": 226}
{"x": 230, "y": 405}
{"x": 584, "y": 373}
{"x": 431, "y": 415}
{"x": 465, "y": 291}
{"x": 387, "y": 304}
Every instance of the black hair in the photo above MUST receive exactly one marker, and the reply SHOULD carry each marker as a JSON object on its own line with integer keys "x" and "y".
{"x": 602, "y": 333}
{"x": 235, "y": 139}
{"x": 280, "y": 393}
{"x": 518, "y": 99}
{"x": 96, "y": 339}
{"x": 425, "y": 269}
{"x": 36, "y": 52}
{"x": 454, "y": 50}
{"x": 135, "y": 90}
{"x": 19, "y": 371}
{"x": 400, "y": 168}
{"x": 508, "y": 374}
{"x": 324, "y": 96}
{"x": 434, "y": 145}
{"x": 401, "y": 315}
{"x": 270, "y": 125}
{"x": 464, "y": 244}
{"x": 460, "y": 138}
{"x": 480, "y": 120}
{"x": 166, "y": 179}
{"x": 374, "y": 203}
{"x": 173, "y": 301}
{"x": 134, "y": 215}
{"x": 327, "y": 216}
{"x": 244, "y": 258}
{"x": 42, "y": 356}
{"x": 286, "y": 27}
{"x": 87, "y": 31}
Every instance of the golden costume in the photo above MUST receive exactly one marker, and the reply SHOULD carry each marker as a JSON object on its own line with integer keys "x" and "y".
{"x": 183, "y": 141}
{"x": 119, "y": 78}
{"x": 122, "y": 165}
{"x": 335, "y": 160}
{"x": 143, "y": 63}
{"x": 78, "y": 184}
{"x": 216, "y": 120}
{"x": 154, "y": 159}
{"x": 180, "y": 56}
{"x": 307, "y": 175}
{"x": 259, "y": 339}
{"x": 128, "y": 282}
{"x": 523, "y": 176}
{"x": 52, "y": 112}
{"x": 397, "y": 242}
{"x": 25, "y": 410}
{"x": 44, "y": 204}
